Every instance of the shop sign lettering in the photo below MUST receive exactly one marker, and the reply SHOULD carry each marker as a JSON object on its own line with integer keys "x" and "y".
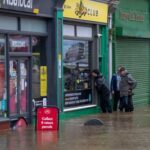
{"x": 86, "y": 10}
{"x": 131, "y": 16}
{"x": 77, "y": 98}
{"x": 18, "y": 43}
{"x": 81, "y": 10}
{"x": 19, "y": 3}
{"x": 43, "y": 80}
{"x": 47, "y": 118}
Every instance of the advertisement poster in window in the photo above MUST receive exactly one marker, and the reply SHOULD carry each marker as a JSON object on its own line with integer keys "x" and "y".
{"x": 43, "y": 80}
{"x": 77, "y": 87}
{"x": 13, "y": 87}
{"x": 3, "y": 104}
{"x": 2, "y": 79}
{"x": 19, "y": 43}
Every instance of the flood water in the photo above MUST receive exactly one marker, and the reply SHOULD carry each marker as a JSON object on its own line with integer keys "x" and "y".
{"x": 121, "y": 131}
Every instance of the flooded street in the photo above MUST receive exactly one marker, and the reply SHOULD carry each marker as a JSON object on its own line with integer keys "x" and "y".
{"x": 121, "y": 131}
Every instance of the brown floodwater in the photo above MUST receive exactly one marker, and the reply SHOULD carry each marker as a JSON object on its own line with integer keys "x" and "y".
{"x": 121, "y": 131}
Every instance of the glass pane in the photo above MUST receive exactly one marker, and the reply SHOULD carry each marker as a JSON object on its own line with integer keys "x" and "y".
{"x": 33, "y": 25}
{"x": 13, "y": 73}
{"x": 23, "y": 86}
{"x": 36, "y": 49}
{"x": 19, "y": 43}
{"x": 69, "y": 30}
{"x": 76, "y": 72}
{"x": 8, "y": 23}
{"x": 3, "y": 102}
{"x": 84, "y": 32}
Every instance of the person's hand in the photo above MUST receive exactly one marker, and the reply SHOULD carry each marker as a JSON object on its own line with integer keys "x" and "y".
{"x": 129, "y": 90}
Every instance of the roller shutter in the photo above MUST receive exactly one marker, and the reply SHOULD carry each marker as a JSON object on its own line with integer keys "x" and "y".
{"x": 134, "y": 54}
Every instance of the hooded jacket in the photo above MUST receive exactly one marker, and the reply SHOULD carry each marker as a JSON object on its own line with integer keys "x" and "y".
{"x": 101, "y": 85}
{"x": 127, "y": 84}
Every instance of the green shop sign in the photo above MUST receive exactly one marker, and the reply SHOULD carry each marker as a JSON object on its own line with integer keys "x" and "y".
{"x": 132, "y": 23}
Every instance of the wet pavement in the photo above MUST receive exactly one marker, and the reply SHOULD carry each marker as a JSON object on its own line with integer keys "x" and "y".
{"x": 121, "y": 131}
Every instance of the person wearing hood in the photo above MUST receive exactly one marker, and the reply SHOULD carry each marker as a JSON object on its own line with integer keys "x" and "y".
{"x": 127, "y": 84}
{"x": 102, "y": 90}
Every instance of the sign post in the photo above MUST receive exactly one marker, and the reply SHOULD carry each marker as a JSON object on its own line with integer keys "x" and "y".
{"x": 47, "y": 119}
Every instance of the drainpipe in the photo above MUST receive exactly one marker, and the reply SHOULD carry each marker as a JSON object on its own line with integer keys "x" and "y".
{"x": 112, "y": 8}
{"x": 110, "y": 46}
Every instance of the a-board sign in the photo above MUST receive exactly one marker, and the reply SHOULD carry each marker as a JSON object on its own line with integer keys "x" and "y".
{"x": 47, "y": 118}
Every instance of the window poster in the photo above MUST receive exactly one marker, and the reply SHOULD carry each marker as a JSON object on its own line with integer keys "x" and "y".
{"x": 13, "y": 87}
{"x": 19, "y": 43}
{"x": 3, "y": 104}
{"x": 2, "y": 79}
{"x": 77, "y": 85}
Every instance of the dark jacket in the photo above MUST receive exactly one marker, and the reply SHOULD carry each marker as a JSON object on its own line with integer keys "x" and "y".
{"x": 127, "y": 84}
{"x": 101, "y": 85}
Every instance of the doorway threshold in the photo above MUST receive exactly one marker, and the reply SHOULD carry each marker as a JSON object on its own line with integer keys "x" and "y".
{"x": 79, "y": 108}
{"x": 4, "y": 119}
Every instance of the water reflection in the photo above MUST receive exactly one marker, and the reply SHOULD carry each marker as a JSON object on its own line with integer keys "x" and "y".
{"x": 46, "y": 137}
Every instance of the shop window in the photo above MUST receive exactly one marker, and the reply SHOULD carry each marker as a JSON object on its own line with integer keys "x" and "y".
{"x": 8, "y": 23}
{"x": 3, "y": 103}
{"x": 77, "y": 86}
{"x": 69, "y": 30}
{"x": 33, "y": 25}
{"x": 85, "y": 32}
{"x": 19, "y": 43}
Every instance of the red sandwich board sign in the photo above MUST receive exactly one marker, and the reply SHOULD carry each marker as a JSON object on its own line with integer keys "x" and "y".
{"x": 47, "y": 118}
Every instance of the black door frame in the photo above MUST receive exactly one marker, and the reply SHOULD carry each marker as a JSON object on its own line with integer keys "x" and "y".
{"x": 18, "y": 59}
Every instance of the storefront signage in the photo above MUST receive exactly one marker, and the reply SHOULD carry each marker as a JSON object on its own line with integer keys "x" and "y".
{"x": 86, "y": 10}
{"x": 47, "y": 118}
{"x": 76, "y": 98}
{"x": 43, "y": 80}
{"x": 131, "y": 16}
{"x": 19, "y": 3}
{"x": 34, "y": 7}
{"x": 18, "y": 43}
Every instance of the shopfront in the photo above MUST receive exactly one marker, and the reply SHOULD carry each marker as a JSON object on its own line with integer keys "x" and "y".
{"x": 132, "y": 44}
{"x": 24, "y": 45}
{"x": 83, "y": 21}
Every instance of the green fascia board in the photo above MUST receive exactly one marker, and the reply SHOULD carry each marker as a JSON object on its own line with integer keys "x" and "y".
{"x": 133, "y": 19}
{"x": 119, "y": 31}
{"x": 79, "y": 113}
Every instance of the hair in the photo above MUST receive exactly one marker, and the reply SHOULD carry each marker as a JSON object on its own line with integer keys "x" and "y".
{"x": 122, "y": 69}
{"x": 96, "y": 71}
